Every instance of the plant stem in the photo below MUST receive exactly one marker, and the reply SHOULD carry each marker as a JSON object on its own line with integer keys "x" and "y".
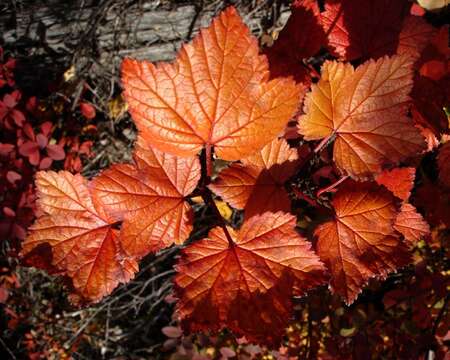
{"x": 209, "y": 163}
{"x": 208, "y": 199}
{"x": 332, "y": 186}
{"x": 206, "y": 194}
{"x": 323, "y": 143}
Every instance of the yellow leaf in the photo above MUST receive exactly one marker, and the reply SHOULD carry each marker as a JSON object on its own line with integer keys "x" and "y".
{"x": 117, "y": 107}
{"x": 69, "y": 74}
{"x": 224, "y": 209}
{"x": 197, "y": 200}
{"x": 433, "y": 4}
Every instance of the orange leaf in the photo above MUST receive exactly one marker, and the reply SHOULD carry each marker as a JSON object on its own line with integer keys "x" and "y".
{"x": 84, "y": 243}
{"x": 258, "y": 183}
{"x": 365, "y": 109}
{"x": 216, "y": 93}
{"x": 216, "y": 273}
{"x": 360, "y": 242}
{"x": 411, "y": 224}
{"x": 149, "y": 197}
{"x": 399, "y": 181}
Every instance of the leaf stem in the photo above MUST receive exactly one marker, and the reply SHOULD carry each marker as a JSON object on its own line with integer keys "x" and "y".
{"x": 208, "y": 199}
{"x": 323, "y": 143}
{"x": 206, "y": 194}
{"x": 209, "y": 163}
{"x": 332, "y": 186}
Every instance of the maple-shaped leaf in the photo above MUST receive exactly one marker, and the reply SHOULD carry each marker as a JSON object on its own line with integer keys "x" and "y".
{"x": 149, "y": 196}
{"x": 443, "y": 160}
{"x": 411, "y": 224}
{"x": 84, "y": 243}
{"x": 257, "y": 183}
{"x": 360, "y": 242}
{"x": 217, "y": 273}
{"x": 399, "y": 181}
{"x": 369, "y": 30}
{"x": 365, "y": 110}
{"x": 215, "y": 94}
{"x": 301, "y": 38}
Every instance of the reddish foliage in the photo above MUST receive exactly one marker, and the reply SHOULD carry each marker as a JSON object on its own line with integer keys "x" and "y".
{"x": 220, "y": 278}
{"x": 217, "y": 98}
{"x": 258, "y": 183}
{"x": 365, "y": 110}
{"x": 399, "y": 181}
{"x": 224, "y": 109}
{"x": 361, "y": 242}
{"x": 301, "y": 38}
{"x": 369, "y": 31}
{"x": 29, "y": 142}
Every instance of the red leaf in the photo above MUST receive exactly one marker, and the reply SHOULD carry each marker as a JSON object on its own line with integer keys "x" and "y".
{"x": 28, "y": 148}
{"x": 6, "y": 149}
{"x": 301, "y": 38}
{"x": 42, "y": 140}
{"x": 218, "y": 275}
{"x": 149, "y": 197}
{"x": 18, "y": 117}
{"x": 87, "y": 110}
{"x": 415, "y": 35}
{"x": 172, "y": 331}
{"x": 434, "y": 69}
{"x": 430, "y": 97}
{"x": 411, "y": 224}
{"x": 258, "y": 183}
{"x": 56, "y": 152}
{"x": 443, "y": 161}
{"x": 84, "y": 244}
{"x": 9, "y": 212}
{"x": 45, "y": 163}
{"x": 216, "y": 93}
{"x": 46, "y": 128}
{"x": 399, "y": 181}
{"x": 435, "y": 202}
{"x": 360, "y": 242}
{"x": 12, "y": 176}
{"x": 369, "y": 30}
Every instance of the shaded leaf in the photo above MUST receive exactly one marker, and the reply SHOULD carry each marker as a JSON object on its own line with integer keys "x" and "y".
{"x": 216, "y": 93}
{"x": 443, "y": 161}
{"x": 364, "y": 31}
{"x": 360, "y": 242}
{"x": 411, "y": 224}
{"x": 217, "y": 273}
{"x": 257, "y": 183}
{"x": 301, "y": 38}
{"x": 87, "y": 110}
{"x": 415, "y": 35}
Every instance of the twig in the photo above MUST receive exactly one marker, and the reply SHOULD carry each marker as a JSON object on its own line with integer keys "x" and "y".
{"x": 7, "y": 349}
{"x": 440, "y": 315}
